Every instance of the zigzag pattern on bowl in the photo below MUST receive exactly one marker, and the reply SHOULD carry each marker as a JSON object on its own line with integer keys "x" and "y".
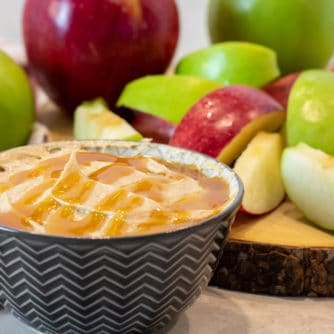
{"x": 57, "y": 286}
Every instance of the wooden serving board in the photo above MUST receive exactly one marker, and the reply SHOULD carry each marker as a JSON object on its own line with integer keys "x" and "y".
{"x": 280, "y": 253}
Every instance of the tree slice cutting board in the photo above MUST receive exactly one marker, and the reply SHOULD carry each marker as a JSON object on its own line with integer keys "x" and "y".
{"x": 279, "y": 253}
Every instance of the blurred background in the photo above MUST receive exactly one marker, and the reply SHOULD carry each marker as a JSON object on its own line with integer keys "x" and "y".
{"x": 193, "y": 15}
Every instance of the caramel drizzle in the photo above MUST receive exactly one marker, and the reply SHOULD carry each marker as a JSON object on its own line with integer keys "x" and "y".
{"x": 119, "y": 197}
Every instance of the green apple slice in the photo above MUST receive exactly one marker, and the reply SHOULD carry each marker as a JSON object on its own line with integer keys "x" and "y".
{"x": 232, "y": 63}
{"x": 165, "y": 96}
{"x": 259, "y": 169}
{"x": 310, "y": 113}
{"x": 308, "y": 177}
{"x": 93, "y": 120}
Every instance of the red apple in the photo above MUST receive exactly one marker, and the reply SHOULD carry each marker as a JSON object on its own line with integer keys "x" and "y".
{"x": 82, "y": 49}
{"x": 223, "y": 122}
{"x": 156, "y": 128}
{"x": 280, "y": 88}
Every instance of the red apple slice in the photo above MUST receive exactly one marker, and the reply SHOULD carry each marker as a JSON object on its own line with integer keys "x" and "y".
{"x": 223, "y": 122}
{"x": 259, "y": 169}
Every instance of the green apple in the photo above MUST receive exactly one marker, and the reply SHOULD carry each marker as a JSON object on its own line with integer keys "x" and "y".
{"x": 232, "y": 63}
{"x": 17, "y": 104}
{"x": 165, "y": 96}
{"x": 93, "y": 120}
{"x": 310, "y": 113}
{"x": 300, "y": 31}
{"x": 308, "y": 177}
{"x": 259, "y": 169}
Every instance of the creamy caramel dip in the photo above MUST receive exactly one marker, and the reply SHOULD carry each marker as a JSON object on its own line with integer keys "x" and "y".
{"x": 95, "y": 194}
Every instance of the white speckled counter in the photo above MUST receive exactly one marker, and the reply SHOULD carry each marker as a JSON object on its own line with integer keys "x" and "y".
{"x": 230, "y": 312}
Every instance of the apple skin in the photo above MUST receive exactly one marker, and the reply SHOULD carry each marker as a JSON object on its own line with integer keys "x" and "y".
{"x": 150, "y": 126}
{"x": 17, "y": 104}
{"x": 82, "y": 49}
{"x": 223, "y": 122}
{"x": 280, "y": 88}
{"x": 229, "y": 63}
{"x": 300, "y": 31}
{"x": 165, "y": 96}
{"x": 311, "y": 190}
{"x": 310, "y": 113}
{"x": 258, "y": 166}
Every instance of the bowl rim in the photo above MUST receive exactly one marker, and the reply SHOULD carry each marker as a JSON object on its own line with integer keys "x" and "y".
{"x": 228, "y": 210}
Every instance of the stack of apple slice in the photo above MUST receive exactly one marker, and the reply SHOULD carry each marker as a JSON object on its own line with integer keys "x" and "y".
{"x": 290, "y": 251}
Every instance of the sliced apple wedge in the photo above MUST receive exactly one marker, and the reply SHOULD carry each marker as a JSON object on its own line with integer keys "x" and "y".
{"x": 93, "y": 120}
{"x": 308, "y": 177}
{"x": 259, "y": 169}
{"x": 165, "y": 96}
{"x": 222, "y": 123}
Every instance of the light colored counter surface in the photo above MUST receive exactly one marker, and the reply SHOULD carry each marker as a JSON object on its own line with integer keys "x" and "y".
{"x": 230, "y": 312}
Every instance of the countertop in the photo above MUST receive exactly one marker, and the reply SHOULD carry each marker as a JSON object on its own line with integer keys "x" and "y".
{"x": 221, "y": 311}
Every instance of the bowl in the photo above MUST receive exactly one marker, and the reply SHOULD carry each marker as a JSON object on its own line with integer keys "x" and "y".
{"x": 131, "y": 284}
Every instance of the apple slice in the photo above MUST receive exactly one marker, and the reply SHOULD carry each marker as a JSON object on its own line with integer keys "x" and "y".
{"x": 280, "y": 88}
{"x": 165, "y": 96}
{"x": 259, "y": 169}
{"x": 222, "y": 123}
{"x": 232, "y": 63}
{"x": 308, "y": 177}
{"x": 93, "y": 120}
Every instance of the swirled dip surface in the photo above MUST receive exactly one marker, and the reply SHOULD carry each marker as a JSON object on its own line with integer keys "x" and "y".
{"x": 99, "y": 195}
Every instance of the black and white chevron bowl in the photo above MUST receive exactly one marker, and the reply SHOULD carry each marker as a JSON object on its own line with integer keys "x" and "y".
{"x": 114, "y": 285}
